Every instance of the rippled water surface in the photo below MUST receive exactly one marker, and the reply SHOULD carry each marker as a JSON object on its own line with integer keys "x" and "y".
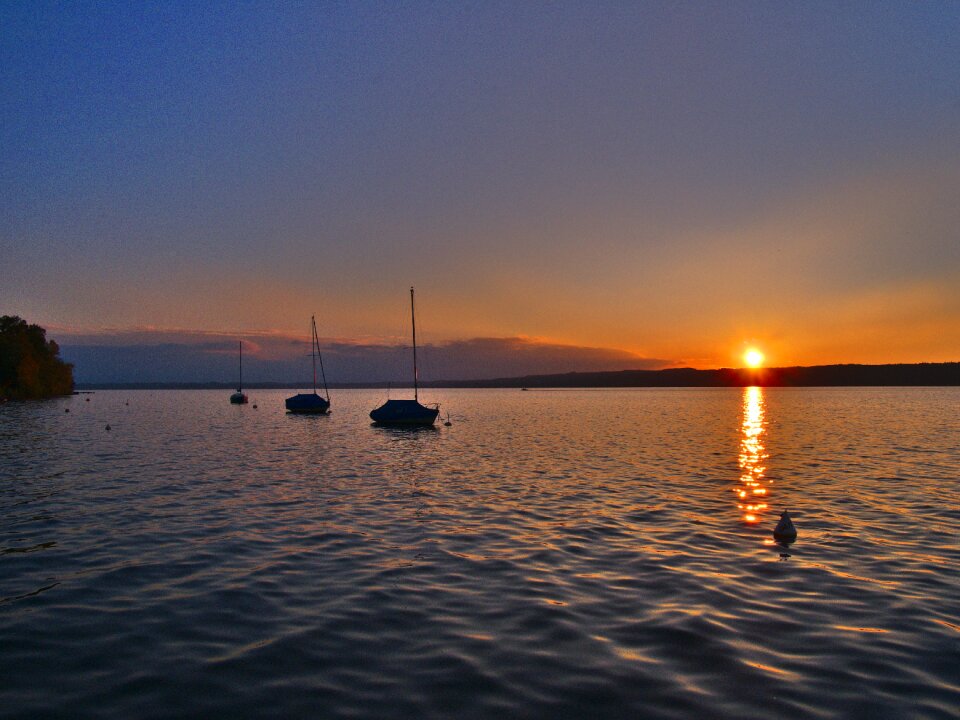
{"x": 551, "y": 554}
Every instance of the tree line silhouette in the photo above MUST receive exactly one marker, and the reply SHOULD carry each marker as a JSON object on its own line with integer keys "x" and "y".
{"x": 915, "y": 374}
{"x": 30, "y": 365}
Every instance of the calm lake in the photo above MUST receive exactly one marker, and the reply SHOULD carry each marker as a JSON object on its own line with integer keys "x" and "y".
{"x": 552, "y": 554}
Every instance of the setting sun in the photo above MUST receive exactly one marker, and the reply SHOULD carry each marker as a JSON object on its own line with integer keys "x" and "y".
{"x": 753, "y": 358}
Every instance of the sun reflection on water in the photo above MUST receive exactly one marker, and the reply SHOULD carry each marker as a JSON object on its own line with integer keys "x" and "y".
{"x": 752, "y": 490}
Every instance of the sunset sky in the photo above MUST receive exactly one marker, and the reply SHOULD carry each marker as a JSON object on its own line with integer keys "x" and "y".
{"x": 568, "y": 185}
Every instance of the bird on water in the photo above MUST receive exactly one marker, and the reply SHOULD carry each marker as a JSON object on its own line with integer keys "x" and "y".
{"x": 785, "y": 530}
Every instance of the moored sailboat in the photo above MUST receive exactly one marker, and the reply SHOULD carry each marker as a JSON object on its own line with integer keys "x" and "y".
{"x": 312, "y": 403}
{"x": 407, "y": 412}
{"x": 239, "y": 398}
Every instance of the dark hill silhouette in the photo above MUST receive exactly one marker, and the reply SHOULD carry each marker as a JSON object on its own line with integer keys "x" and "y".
{"x": 919, "y": 374}
{"x": 817, "y": 375}
{"x": 30, "y": 365}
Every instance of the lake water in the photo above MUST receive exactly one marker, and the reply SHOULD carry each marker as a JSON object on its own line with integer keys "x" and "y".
{"x": 551, "y": 554}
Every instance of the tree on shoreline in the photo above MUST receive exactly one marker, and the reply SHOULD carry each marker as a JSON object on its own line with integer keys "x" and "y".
{"x": 30, "y": 365}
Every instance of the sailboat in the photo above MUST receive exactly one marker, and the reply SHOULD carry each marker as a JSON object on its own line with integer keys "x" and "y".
{"x": 239, "y": 398}
{"x": 407, "y": 412}
{"x": 312, "y": 403}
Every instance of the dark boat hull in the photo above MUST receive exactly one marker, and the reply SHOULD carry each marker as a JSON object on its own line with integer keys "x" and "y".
{"x": 307, "y": 404}
{"x": 404, "y": 412}
{"x": 238, "y": 398}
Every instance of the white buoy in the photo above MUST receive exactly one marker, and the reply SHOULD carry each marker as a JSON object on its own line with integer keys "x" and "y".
{"x": 785, "y": 530}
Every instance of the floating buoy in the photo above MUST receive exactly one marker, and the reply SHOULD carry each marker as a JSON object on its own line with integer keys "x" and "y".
{"x": 87, "y": 399}
{"x": 66, "y": 409}
{"x": 254, "y": 406}
{"x": 108, "y": 427}
{"x": 785, "y": 530}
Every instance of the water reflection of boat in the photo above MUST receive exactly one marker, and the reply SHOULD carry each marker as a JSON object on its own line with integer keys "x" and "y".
{"x": 238, "y": 398}
{"x": 407, "y": 412}
{"x": 312, "y": 403}
{"x": 752, "y": 491}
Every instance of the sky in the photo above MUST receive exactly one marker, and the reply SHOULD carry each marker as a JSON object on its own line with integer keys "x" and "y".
{"x": 569, "y": 186}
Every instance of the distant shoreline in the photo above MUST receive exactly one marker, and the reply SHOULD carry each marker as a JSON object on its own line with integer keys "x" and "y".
{"x": 894, "y": 375}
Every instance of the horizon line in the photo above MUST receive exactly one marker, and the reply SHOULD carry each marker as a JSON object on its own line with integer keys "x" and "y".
{"x": 793, "y": 375}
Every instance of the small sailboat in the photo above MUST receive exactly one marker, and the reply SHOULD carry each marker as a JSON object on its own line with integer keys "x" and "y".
{"x": 239, "y": 398}
{"x": 312, "y": 403}
{"x": 407, "y": 412}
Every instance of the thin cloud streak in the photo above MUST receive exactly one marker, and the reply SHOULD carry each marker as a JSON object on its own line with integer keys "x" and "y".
{"x": 150, "y": 355}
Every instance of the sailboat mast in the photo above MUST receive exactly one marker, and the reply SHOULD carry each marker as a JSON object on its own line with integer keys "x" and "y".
{"x": 323, "y": 375}
{"x": 413, "y": 322}
{"x": 240, "y": 388}
{"x": 313, "y": 354}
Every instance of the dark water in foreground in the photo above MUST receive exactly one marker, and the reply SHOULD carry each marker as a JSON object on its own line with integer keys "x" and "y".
{"x": 552, "y": 554}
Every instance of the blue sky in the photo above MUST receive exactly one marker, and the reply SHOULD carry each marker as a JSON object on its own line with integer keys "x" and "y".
{"x": 669, "y": 180}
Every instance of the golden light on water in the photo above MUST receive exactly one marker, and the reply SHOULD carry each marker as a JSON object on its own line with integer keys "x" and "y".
{"x": 752, "y": 454}
{"x": 753, "y": 358}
